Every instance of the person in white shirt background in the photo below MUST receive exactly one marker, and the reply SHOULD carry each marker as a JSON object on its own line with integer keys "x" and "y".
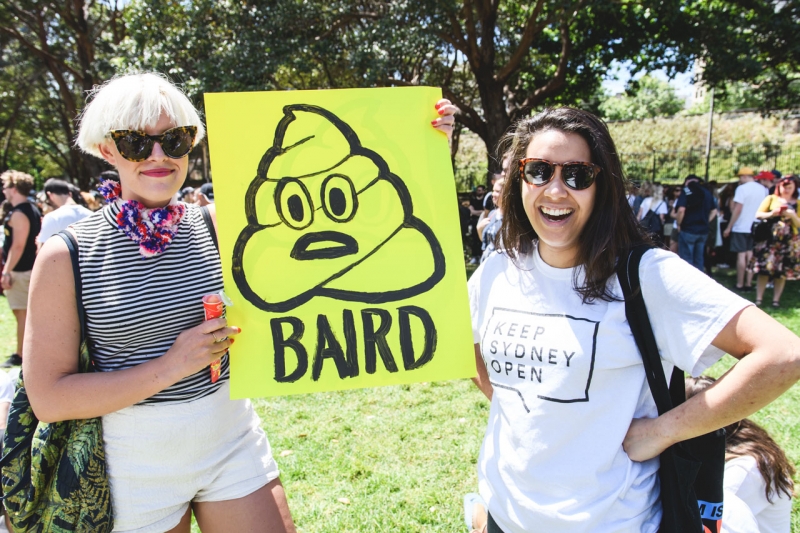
{"x": 748, "y": 196}
{"x": 758, "y": 486}
{"x": 65, "y": 209}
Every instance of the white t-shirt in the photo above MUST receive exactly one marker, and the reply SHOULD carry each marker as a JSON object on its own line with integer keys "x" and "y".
{"x": 744, "y": 480}
{"x": 750, "y": 195}
{"x": 59, "y": 219}
{"x": 568, "y": 379}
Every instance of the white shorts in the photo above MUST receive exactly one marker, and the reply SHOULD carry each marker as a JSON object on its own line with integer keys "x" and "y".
{"x": 17, "y": 295}
{"x": 162, "y": 457}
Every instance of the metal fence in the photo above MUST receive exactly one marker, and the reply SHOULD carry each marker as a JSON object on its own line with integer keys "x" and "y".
{"x": 672, "y": 166}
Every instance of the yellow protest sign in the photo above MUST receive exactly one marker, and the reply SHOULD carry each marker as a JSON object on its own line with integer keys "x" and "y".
{"x": 340, "y": 240}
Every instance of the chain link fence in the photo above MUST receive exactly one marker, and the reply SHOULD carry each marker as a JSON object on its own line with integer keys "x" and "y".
{"x": 672, "y": 166}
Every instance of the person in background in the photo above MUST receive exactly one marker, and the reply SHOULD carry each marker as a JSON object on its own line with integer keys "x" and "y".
{"x": 669, "y": 221}
{"x": 695, "y": 211}
{"x": 187, "y": 195}
{"x": 637, "y": 195}
{"x": 488, "y": 199}
{"x": 464, "y": 217}
{"x": 489, "y": 227}
{"x": 476, "y": 210}
{"x": 777, "y": 258}
{"x": 65, "y": 209}
{"x": 92, "y": 203}
{"x": 746, "y": 199}
{"x": 40, "y": 201}
{"x": 673, "y": 214}
{"x": 646, "y": 190}
{"x": 757, "y": 474}
{"x": 656, "y": 204}
{"x": 767, "y": 180}
{"x": 204, "y": 195}
{"x": 21, "y": 226}
{"x": 726, "y": 194}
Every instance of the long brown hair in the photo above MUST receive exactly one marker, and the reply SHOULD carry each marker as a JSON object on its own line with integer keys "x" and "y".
{"x": 611, "y": 229}
{"x": 748, "y": 438}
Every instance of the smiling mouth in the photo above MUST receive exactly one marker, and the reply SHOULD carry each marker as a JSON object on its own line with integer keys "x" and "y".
{"x": 323, "y": 245}
{"x": 157, "y": 172}
{"x": 555, "y": 215}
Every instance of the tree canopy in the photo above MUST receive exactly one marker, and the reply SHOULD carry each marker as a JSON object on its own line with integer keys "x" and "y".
{"x": 497, "y": 60}
{"x": 52, "y": 54}
{"x": 647, "y": 97}
{"x": 751, "y": 41}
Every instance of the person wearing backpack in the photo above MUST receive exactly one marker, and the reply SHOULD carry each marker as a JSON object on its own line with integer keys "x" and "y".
{"x": 694, "y": 213}
{"x": 573, "y": 434}
{"x": 653, "y": 213}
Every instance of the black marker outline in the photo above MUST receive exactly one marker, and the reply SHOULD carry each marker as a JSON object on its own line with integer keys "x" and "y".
{"x": 349, "y": 246}
{"x": 564, "y": 315}
{"x": 353, "y": 198}
{"x": 356, "y": 149}
{"x": 278, "y": 196}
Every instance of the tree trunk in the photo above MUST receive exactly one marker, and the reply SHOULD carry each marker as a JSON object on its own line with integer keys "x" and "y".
{"x": 497, "y": 121}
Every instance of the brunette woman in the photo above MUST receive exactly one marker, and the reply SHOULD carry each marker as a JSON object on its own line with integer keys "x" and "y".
{"x": 573, "y": 435}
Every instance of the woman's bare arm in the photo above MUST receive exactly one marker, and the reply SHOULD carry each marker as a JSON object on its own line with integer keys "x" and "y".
{"x": 52, "y": 335}
{"x": 769, "y": 364}
{"x": 482, "y": 379}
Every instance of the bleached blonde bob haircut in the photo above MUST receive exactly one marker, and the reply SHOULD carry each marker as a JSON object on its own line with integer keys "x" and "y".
{"x": 133, "y": 102}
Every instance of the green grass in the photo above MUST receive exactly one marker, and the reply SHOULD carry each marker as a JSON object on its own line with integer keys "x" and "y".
{"x": 400, "y": 459}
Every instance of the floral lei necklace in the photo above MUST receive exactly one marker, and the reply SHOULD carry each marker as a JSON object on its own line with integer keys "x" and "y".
{"x": 151, "y": 228}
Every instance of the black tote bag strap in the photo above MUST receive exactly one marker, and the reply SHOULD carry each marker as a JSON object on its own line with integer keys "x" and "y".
{"x": 72, "y": 244}
{"x": 210, "y": 225}
{"x": 639, "y": 321}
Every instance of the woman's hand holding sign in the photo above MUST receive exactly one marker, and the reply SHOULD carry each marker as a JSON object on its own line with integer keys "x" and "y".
{"x": 447, "y": 120}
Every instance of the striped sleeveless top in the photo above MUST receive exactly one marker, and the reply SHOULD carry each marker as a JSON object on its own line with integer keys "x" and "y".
{"x": 136, "y": 307}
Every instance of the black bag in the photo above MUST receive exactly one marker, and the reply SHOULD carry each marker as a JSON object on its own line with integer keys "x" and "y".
{"x": 652, "y": 222}
{"x": 54, "y": 475}
{"x": 762, "y": 229}
{"x": 691, "y": 471}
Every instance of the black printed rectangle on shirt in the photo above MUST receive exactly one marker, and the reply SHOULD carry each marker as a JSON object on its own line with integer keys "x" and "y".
{"x": 540, "y": 356}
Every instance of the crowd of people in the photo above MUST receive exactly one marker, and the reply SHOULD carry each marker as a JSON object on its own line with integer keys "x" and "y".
{"x": 750, "y": 224}
{"x": 573, "y": 437}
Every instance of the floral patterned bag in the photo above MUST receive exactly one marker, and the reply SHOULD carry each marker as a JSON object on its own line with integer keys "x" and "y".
{"x": 54, "y": 474}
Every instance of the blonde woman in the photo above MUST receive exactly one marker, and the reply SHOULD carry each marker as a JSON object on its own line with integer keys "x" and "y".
{"x": 175, "y": 443}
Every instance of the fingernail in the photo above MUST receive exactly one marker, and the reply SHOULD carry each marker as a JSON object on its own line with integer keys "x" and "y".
{"x": 232, "y": 340}
{"x": 441, "y": 111}
{"x": 433, "y": 122}
{"x": 238, "y": 329}
{"x": 437, "y": 106}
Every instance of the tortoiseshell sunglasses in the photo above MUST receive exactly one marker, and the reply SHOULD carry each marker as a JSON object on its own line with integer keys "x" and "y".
{"x": 137, "y": 146}
{"x": 577, "y": 175}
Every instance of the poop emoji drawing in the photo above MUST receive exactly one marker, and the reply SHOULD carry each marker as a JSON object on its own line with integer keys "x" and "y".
{"x": 339, "y": 240}
{"x": 326, "y": 209}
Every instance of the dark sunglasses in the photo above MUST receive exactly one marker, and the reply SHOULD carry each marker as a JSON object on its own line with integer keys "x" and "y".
{"x": 137, "y": 146}
{"x": 577, "y": 175}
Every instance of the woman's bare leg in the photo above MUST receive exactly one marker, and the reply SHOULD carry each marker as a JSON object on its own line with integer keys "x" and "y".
{"x": 779, "y": 284}
{"x": 761, "y": 285}
{"x": 264, "y": 511}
